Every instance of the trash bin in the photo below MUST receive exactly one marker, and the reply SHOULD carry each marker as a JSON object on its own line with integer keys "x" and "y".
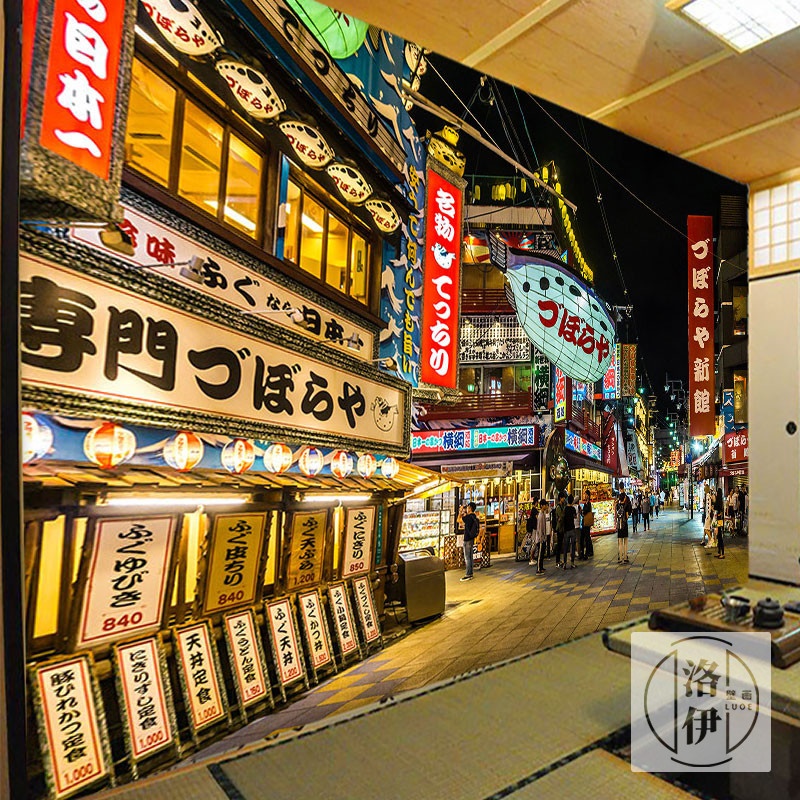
{"x": 422, "y": 586}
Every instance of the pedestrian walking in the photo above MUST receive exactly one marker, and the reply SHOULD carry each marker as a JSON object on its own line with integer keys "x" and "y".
{"x": 557, "y": 521}
{"x": 570, "y": 533}
{"x": 530, "y": 537}
{"x": 740, "y": 502}
{"x": 645, "y": 512}
{"x": 622, "y": 508}
{"x": 662, "y": 498}
{"x": 471, "y": 527}
{"x": 587, "y": 520}
{"x": 540, "y": 536}
{"x": 636, "y": 509}
{"x": 654, "y": 503}
{"x": 719, "y": 511}
{"x": 708, "y": 519}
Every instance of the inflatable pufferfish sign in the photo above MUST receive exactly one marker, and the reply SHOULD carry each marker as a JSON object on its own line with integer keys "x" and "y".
{"x": 560, "y": 314}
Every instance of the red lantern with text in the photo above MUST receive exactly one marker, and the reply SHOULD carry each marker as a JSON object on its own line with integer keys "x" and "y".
{"x": 277, "y": 458}
{"x": 184, "y": 451}
{"x": 442, "y": 287}
{"x": 37, "y": 438}
{"x": 367, "y": 464}
{"x": 238, "y": 456}
{"x": 311, "y": 461}
{"x": 109, "y": 445}
{"x": 341, "y": 463}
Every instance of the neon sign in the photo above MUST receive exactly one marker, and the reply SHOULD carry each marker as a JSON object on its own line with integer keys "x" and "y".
{"x": 580, "y": 445}
{"x": 451, "y": 441}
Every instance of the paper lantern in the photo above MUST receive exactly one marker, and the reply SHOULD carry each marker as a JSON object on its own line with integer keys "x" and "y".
{"x": 351, "y": 184}
{"x": 184, "y": 451}
{"x": 251, "y": 89}
{"x": 37, "y": 438}
{"x": 307, "y": 143}
{"x": 389, "y": 467}
{"x": 109, "y": 445}
{"x": 367, "y": 464}
{"x": 384, "y": 215}
{"x": 341, "y": 463}
{"x": 310, "y": 461}
{"x": 238, "y": 456}
{"x": 340, "y": 34}
{"x": 277, "y": 458}
{"x": 183, "y": 26}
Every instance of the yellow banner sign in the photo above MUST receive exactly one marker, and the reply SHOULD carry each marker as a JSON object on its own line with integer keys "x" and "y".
{"x": 306, "y": 549}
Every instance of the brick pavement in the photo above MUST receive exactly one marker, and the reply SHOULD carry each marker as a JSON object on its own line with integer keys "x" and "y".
{"x": 508, "y": 611}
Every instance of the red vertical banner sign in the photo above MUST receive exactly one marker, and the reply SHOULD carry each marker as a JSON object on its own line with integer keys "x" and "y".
{"x": 702, "y": 420}
{"x": 562, "y": 397}
{"x": 442, "y": 288}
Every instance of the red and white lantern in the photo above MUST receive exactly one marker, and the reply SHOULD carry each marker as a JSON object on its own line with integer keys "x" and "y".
{"x": 384, "y": 215}
{"x": 184, "y": 451}
{"x": 389, "y": 467}
{"x": 367, "y": 464}
{"x": 109, "y": 445}
{"x": 238, "y": 456}
{"x": 37, "y": 438}
{"x": 352, "y": 185}
{"x": 183, "y": 26}
{"x": 310, "y": 461}
{"x": 277, "y": 458}
{"x": 341, "y": 463}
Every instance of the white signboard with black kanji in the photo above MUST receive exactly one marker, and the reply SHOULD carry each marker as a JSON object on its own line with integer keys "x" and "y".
{"x": 365, "y": 608}
{"x": 343, "y": 624}
{"x": 247, "y": 658}
{"x": 286, "y": 649}
{"x": 315, "y": 630}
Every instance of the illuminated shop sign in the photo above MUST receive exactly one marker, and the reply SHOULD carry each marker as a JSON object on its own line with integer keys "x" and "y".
{"x": 563, "y": 317}
{"x": 735, "y": 446}
{"x": 580, "y": 445}
{"x": 611, "y": 378}
{"x": 563, "y": 397}
{"x": 474, "y": 439}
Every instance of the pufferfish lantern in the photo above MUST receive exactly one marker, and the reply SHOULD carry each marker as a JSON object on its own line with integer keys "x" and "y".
{"x": 183, "y": 26}
{"x": 251, "y": 89}
{"x": 442, "y": 148}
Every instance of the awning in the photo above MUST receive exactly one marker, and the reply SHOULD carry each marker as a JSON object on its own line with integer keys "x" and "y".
{"x": 582, "y": 462}
{"x": 470, "y": 467}
{"x": 734, "y": 471}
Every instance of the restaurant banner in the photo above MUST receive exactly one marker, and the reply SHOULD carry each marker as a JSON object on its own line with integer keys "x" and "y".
{"x": 735, "y": 447}
{"x": 441, "y": 296}
{"x": 76, "y": 66}
{"x": 342, "y": 617}
{"x": 627, "y": 366}
{"x": 562, "y": 396}
{"x": 71, "y": 726}
{"x": 315, "y": 631}
{"x": 234, "y": 553}
{"x": 286, "y": 651}
{"x": 305, "y": 549}
{"x": 147, "y": 701}
{"x": 358, "y": 536}
{"x": 158, "y": 364}
{"x": 611, "y": 380}
{"x": 198, "y": 669}
{"x": 367, "y": 616}
{"x": 454, "y": 440}
{"x": 246, "y": 658}
{"x": 702, "y": 418}
{"x": 125, "y": 575}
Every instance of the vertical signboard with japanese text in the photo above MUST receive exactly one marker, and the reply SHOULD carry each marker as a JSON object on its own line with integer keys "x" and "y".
{"x": 611, "y": 378}
{"x": 285, "y": 642}
{"x": 76, "y": 74}
{"x": 305, "y": 549}
{"x": 627, "y": 368}
{"x": 358, "y": 536}
{"x": 342, "y": 616}
{"x": 365, "y": 606}
{"x": 246, "y": 657}
{"x": 234, "y": 552}
{"x": 702, "y": 420}
{"x": 441, "y": 296}
{"x": 125, "y": 578}
{"x": 562, "y": 399}
{"x": 315, "y": 629}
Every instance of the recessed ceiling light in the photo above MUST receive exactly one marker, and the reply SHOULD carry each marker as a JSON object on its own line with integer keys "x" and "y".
{"x": 741, "y": 24}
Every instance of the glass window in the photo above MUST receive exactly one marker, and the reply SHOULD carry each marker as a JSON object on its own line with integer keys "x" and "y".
{"x": 311, "y": 236}
{"x": 739, "y": 396}
{"x": 291, "y": 210}
{"x": 359, "y": 258}
{"x": 469, "y": 380}
{"x": 336, "y": 255}
{"x": 242, "y": 186}
{"x": 740, "y": 310}
{"x": 201, "y": 158}
{"x": 151, "y": 113}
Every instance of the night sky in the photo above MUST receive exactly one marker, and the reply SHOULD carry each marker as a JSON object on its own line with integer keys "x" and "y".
{"x": 652, "y": 255}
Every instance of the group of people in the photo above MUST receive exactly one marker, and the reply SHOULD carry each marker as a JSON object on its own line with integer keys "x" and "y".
{"x": 645, "y": 506}
{"x": 563, "y": 531}
{"x": 721, "y": 514}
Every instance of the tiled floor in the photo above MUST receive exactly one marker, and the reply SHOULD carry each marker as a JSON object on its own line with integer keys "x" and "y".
{"x": 507, "y": 611}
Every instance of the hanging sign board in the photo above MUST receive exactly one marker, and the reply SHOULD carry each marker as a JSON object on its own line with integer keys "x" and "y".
{"x": 365, "y": 605}
{"x": 702, "y": 411}
{"x": 735, "y": 447}
{"x": 197, "y": 665}
{"x": 342, "y": 616}
{"x": 562, "y": 400}
{"x": 358, "y": 536}
{"x": 147, "y": 705}
{"x": 247, "y": 658}
{"x": 441, "y": 296}
{"x": 306, "y": 548}
{"x": 201, "y": 375}
{"x": 285, "y": 643}
{"x": 234, "y": 554}
{"x": 315, "y": 630}
{"x": 126, "y": 579}
{"x": 71, "y": 731}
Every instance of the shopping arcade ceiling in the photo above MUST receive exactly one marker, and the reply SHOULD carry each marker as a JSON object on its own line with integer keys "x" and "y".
{"x": 632, "y": 65}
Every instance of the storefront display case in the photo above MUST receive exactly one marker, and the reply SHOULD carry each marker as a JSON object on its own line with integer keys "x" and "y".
{"x": 424, "y": 529}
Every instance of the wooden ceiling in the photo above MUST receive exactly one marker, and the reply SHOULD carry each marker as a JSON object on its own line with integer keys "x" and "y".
{"x": 633, "y": 65}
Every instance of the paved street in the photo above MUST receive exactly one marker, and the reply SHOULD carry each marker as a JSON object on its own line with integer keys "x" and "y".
{"x": 508, "y": 611}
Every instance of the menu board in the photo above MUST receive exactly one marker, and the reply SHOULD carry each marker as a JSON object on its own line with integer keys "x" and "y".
{"x": 603, "y": 516}
{"x": 246, "y": 658}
